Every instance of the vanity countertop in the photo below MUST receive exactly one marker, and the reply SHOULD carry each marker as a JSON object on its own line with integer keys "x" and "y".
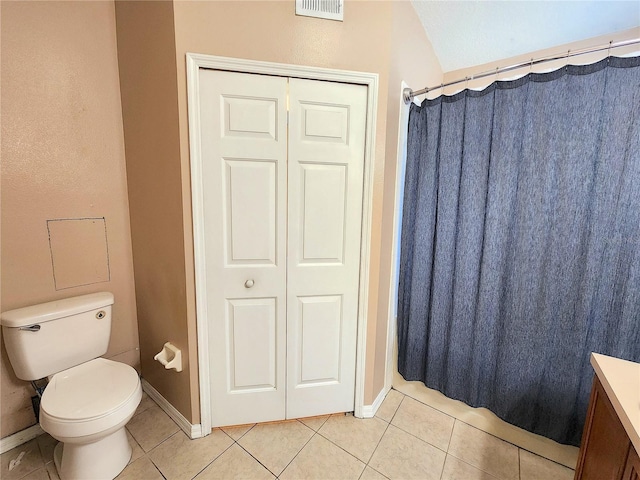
{"x": 621, "y": 380}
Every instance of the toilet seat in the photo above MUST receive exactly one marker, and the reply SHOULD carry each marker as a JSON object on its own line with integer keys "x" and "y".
{"x": 89, "y": 398}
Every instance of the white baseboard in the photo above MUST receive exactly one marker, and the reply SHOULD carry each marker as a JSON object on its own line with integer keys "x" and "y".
{"x": 18, "y": 438}
{"x": 193, "y": 431}
{"x": 369, "y": 411}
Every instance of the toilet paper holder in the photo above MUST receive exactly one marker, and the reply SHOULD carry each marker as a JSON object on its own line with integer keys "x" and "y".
{"x": 170, "y": 357}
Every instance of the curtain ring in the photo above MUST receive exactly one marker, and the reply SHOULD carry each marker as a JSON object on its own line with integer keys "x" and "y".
{"x": 531, "y": 66}
{"x": 609, "y": 51}
{"x": 566, "y": 63}
{"x": 466, "y": 83}
{"x": 442, "y": 89}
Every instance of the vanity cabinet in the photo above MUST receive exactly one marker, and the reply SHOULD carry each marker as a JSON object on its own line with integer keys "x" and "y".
{"x": 605, "y": 445}
{"x": 608, "y": 449}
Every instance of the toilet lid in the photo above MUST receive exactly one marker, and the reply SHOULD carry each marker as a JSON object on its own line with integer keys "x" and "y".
{"x": 90, "y": 390}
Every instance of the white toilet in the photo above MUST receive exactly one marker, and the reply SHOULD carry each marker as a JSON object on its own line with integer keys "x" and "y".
{"x": 88, "y": 399}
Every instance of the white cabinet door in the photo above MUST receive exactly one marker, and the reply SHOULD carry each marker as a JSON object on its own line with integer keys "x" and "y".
{"x": 283, "y": 216}
{"x": 244, "y": 149}
{"x": 327, "y": 123}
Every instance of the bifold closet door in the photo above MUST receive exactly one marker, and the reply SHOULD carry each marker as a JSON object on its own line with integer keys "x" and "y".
{"x": 244, "y": 150}
{"x": 325, "y": 163}
{"x": 283, "y": 216}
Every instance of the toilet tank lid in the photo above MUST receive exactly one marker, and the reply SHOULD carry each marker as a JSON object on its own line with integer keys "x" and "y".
{"x": 45, "y": 312}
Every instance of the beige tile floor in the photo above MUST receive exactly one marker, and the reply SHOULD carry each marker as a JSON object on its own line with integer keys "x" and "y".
{"x": 406, "y": 440}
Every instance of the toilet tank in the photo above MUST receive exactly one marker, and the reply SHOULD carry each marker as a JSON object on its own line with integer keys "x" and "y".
{"x": 50, "y": 337}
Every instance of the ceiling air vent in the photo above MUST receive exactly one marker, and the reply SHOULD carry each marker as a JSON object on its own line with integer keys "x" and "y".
{"x": 329, "y": 9}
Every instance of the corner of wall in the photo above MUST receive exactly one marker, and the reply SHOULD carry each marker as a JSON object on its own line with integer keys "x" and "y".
{"x": 148, "y": 80}
{"x": 412, "y": 60}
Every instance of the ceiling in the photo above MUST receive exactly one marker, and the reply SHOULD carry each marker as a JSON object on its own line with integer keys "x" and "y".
{"x": 467, "y": 33}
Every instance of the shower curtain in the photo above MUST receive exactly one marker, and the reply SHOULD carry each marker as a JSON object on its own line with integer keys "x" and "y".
{"x": 520, "y": 249}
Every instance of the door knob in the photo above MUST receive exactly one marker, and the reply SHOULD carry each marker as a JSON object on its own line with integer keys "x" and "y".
{"x": 249, "y": 283}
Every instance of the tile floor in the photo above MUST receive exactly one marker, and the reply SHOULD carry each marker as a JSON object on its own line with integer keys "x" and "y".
{"x": 406, "y": 440}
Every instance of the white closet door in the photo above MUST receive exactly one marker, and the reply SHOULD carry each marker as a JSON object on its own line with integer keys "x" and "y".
{"x": 326, "y": 157}
{"x": 244, "y": 150}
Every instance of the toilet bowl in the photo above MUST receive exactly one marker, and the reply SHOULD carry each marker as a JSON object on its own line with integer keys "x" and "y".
{"x": 86, "y": 408}
{"x": 88, "y": 399}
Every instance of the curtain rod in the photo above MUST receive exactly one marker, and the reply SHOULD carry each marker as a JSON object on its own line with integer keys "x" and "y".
{"x": 409, "y": 94}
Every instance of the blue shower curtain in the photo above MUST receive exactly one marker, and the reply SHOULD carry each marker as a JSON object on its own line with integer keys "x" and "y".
{"x": 520, "y": 250}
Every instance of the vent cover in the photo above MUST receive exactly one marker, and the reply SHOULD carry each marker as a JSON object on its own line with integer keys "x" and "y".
{"x": 329, "y": 9}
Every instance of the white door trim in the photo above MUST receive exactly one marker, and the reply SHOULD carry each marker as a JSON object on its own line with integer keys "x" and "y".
{"x": 194, "y": 63}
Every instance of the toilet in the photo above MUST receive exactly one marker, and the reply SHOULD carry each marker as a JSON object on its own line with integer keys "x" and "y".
{"x": 88, "y": 400}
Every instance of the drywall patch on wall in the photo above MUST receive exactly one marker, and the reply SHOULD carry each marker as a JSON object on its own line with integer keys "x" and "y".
{"x": 79, "y": 251}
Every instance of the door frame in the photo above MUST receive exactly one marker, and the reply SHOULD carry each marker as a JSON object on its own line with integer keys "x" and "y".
{"x": 195, "y": 62}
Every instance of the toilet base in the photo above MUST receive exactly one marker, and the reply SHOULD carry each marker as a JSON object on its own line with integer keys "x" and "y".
{"x": 101, "y": 460}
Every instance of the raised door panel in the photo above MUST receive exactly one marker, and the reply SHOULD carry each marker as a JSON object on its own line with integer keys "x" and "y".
{"x": 250, "y": 211}
{"x": 251, "y": 345}
{"x": 250, "y": 117}
{"x": 319, "y": 340}
{"x": 323, "y": 214}
{"x": 323, "y": 122}
{"x": 244, "y": 152}
{"x": 325, "y": 171}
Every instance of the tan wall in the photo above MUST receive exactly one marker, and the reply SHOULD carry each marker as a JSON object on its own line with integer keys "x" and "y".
{"x": 62, "y": 157}
{"x": 269, "y": 31}
{"x": 413, "y": 61}
{"x": 146, "y": 51}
